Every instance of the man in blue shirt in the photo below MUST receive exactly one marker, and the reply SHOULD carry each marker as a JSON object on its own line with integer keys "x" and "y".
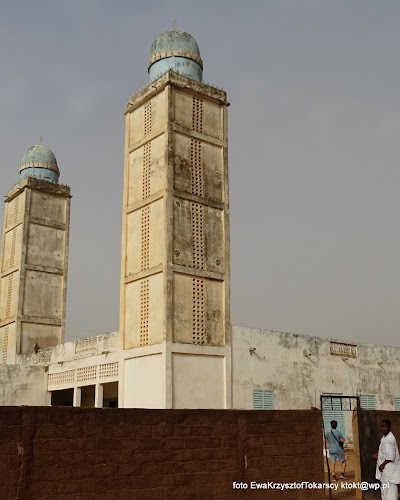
{"x": 335, "y": 439}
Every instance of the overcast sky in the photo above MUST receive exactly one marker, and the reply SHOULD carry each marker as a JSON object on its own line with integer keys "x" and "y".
{"x": 314, "y": 134}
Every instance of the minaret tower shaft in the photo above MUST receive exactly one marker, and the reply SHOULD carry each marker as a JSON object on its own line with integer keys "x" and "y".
{"x": 175, "y": 270}
{"x": 34, "y": 258}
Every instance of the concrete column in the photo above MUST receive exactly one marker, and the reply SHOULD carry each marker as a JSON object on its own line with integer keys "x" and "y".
{"x": 98, "y": 396}
{"x": 121, "y": 384}
{"x": 77, "y": 397}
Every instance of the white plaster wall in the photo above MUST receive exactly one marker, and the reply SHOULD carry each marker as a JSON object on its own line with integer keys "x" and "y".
{"x": 23, "y": 385}
{"x": 145, "y": 381}
{"x": 298, "y": 369}
{"x": 198, "y": 381}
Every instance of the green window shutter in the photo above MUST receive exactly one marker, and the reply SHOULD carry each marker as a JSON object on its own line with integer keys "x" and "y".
{"x": 263, "y": 400}
{"x": 397, "y": 403}
{"x": 331, "y": 410}
{"x": 368, "y": 401}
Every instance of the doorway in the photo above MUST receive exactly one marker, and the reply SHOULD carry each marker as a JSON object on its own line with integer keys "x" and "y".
{"x": 343, "y": 410}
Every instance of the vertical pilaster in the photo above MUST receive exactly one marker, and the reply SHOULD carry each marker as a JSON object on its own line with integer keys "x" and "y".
{"x": 98, "y": 396}
{"x": 77, "y": 398}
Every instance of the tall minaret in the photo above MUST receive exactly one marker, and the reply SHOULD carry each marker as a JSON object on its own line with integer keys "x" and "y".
{"x": 34, "y": 256}
{"x": 175, "y": 272}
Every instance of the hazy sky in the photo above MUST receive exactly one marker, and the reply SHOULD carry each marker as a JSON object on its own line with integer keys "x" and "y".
{"x": 314, "y": 135}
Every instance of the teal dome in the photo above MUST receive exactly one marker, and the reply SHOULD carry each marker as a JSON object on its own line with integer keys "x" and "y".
{"x": 39, "y": 162}
{"x": 177, "y": 51}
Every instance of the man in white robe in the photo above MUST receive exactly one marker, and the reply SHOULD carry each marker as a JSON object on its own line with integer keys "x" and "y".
{"x": 388, "y": 463}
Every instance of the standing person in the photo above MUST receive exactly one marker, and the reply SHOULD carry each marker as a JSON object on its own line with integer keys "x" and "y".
{"x": 388, "y": 463}
{"x": 336, "y": 442}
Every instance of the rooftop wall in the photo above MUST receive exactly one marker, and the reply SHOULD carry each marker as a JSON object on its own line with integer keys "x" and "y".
{"x": 70, "y": 351}
{"x": 299, "y": 368}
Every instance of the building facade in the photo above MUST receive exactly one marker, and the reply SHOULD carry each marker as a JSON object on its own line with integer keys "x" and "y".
{"x": 269, "y": 370}
{"x": 175, "y": 347}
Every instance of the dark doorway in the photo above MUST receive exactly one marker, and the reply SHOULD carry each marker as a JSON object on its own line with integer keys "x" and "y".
{"x": 110, "y": 395}
{"x": 87, "y": 396}
{"x": 62, "y": 398}
{"x": 344, "y": 410}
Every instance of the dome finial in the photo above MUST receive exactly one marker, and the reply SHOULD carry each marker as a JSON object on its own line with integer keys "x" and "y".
{"x": 177, "y": 51}
{"x": 39, "y": 162}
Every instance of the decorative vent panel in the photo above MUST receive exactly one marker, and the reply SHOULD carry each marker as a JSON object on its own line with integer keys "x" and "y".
{"x": 13, "y": 243}
{"x": 9, "y": 294}
{"x": 16, "y": 209}
{"x": 196, "y": 169}
{"x": 197, "y": 214}
{"x": 147, "y": 119}
{"x": 145, "y": 251}
{"x": 197, "y": 114}
{"x": 85, "y": 374}
{"x": 146, "y": 170}
{"x": 5, "y": 344}
{"x": 62, "y": 378}
{"x": 341, "y": 349}
{"x": 144, "y": 313}
{"x": 199, "y": 328}
{"x": 108, "y": 370}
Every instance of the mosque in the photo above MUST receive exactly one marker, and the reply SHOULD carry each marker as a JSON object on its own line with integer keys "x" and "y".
{"x": 175, "y": 347}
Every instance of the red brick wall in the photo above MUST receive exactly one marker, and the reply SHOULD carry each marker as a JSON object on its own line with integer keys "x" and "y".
{"x": 10, "y": 450}
{"x": 86, "y": 454}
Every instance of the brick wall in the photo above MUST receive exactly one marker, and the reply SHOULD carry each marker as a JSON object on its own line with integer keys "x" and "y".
{"x": 57, "y": 453}
{"x": 10, "y": 450}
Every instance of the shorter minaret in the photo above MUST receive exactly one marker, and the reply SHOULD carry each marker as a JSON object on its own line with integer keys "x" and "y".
{"x": 34, "y": 258}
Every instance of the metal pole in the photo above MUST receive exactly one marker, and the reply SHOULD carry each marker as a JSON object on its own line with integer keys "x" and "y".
{"x": 326, "y": 449}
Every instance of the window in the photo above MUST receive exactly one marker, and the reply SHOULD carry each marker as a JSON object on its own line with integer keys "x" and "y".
{"x": 263, "y": 400}
{"x": 368, "y": 401}
{"x": 396, "y": 403}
